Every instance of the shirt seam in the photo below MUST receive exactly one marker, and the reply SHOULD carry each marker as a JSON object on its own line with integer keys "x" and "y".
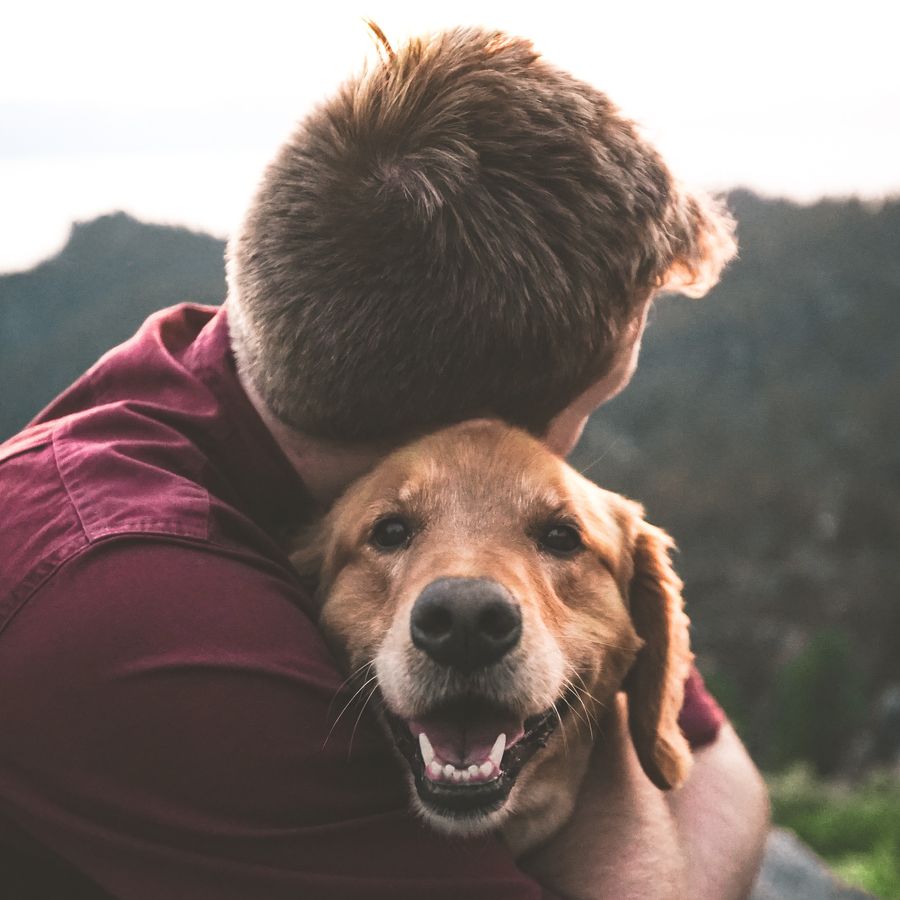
{"x": 197, "y": 527}
{"x": 65, "y": 486}
{"x": 145, "y": 529}
{"x": 36, "y": 577}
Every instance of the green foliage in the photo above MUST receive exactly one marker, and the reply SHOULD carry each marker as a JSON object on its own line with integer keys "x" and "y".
{"x": 856, "y": 829}
{"x": 818, "y": 701}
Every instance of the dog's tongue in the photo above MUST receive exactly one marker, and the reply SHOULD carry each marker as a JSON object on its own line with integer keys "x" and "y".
{"x": 465, "y": 734}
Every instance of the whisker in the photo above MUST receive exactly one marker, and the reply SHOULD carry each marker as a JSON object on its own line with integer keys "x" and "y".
{"x": 585, "y": 692}
{"x": 582, "y": 692}
{"x": 567, "y": 683}
{"x": 589, "y": 718}
{"x": 358, "y": 718}
{"x": 579, "y": 718}
{"x": 355, "y": 672}
{"x": 346, "y": 681}
{"x": 562, "y": 729}
{"x": 613, "y": 444}
{"x": 586, "y": 718}
{"x": 347, "y": 705}
{"x": 609, "y": 646}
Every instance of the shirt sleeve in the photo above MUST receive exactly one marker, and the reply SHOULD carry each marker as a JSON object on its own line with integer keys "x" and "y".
{"x": 167, "y": 731}
{"x": 701, "y": 717}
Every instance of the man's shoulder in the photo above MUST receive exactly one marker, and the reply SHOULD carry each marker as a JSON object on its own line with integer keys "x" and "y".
{"x": 125, "y": 471}
{"x": 70, "y": 483}
{"x": 39, "y": 528}
{"x": 155, "y": 441}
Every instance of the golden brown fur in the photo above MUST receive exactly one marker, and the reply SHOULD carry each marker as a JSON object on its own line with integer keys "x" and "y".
{"x": 606, "y": 618}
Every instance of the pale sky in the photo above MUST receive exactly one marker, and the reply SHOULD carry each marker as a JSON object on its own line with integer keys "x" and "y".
{"x": 169, "y": 110}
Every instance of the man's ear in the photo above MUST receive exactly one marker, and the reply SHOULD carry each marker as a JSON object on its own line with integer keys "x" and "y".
{"x": 700, "y": 233}
{"x": 655, "y": 684}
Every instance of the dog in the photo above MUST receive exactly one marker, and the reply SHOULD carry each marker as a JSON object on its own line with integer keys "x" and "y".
{"x": 501, "y": 601}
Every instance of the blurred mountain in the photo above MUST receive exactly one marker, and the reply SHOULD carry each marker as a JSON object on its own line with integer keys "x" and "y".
{"x": 59, "y": 317}
{"x": 762, "y": 430}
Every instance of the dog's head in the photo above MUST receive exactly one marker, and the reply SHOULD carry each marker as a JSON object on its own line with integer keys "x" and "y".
{"x": 497, "y": 595}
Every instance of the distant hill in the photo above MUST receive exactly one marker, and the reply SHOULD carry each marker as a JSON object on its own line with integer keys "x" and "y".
{"x": 59, "y": 317}
{"x": 762, "y": 430}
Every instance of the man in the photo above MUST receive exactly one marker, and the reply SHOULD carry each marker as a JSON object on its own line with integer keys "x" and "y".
{"x": 461, "y": 231}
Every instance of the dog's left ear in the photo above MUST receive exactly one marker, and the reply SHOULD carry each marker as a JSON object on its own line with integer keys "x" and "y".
{"x": 655, "y": 684}
{"x": 307, "y": 556}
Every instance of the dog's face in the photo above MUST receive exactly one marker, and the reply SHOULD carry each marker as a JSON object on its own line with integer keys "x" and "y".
{"x": 499, "y": 597}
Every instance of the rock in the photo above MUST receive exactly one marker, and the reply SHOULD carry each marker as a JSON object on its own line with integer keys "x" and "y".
{"x": 791, "y": 871}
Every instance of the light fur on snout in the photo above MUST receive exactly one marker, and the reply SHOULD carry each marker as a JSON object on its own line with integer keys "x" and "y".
{"x": 606, "y": 618}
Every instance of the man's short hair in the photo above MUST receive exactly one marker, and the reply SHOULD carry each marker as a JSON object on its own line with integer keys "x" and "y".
{"x": 462, "y": 230}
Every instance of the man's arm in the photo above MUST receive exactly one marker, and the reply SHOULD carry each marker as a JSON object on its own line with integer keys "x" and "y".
{"x": 630, "y": 841}
{"x": 721, "y": 817}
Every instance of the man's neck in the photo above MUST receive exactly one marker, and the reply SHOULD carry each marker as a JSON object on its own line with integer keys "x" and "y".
{"x": 326, "y": 467}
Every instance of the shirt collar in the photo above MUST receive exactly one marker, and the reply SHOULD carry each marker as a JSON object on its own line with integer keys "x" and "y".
{"x": 270, "y": 488}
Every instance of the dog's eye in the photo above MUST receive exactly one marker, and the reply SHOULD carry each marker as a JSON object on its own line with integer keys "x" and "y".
{"x": 390, "y": 534}
{"x": 560, "y": 539}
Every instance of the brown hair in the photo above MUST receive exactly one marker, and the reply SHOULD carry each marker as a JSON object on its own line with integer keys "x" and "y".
{"x": 462, "y": 230}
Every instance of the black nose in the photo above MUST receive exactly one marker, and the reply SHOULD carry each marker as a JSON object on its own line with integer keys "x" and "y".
{"x": 466, "y": 623}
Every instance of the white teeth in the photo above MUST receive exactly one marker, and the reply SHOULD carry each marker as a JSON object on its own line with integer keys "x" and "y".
{"x": 426, "y": 748}
{"x": 496, "y": 754}
{"x": 441, "y": 771}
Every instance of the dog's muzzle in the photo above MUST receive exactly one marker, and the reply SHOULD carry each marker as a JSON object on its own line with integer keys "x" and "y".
{"x": 467, "y": 750}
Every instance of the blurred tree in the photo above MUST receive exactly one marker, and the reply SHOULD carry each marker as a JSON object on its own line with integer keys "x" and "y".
{"x": 819, "y": 703}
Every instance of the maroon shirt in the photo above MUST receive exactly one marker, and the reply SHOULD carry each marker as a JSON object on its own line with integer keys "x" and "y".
{"x": 165, "y": 695}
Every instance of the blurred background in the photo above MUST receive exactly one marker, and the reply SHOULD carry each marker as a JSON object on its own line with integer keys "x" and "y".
{"x": 763, "y": 426}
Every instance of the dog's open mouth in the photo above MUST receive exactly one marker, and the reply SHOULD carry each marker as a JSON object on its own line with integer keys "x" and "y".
{"x": 465, "y": 755}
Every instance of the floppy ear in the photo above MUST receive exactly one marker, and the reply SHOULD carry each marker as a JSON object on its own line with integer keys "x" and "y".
{"x": 655, "y": 684}
{"x": 701, "y": 239}
{"x": 308, "y": 556}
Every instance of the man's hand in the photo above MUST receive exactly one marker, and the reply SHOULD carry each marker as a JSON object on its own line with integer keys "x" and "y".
{"x": 629, "y": 841}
